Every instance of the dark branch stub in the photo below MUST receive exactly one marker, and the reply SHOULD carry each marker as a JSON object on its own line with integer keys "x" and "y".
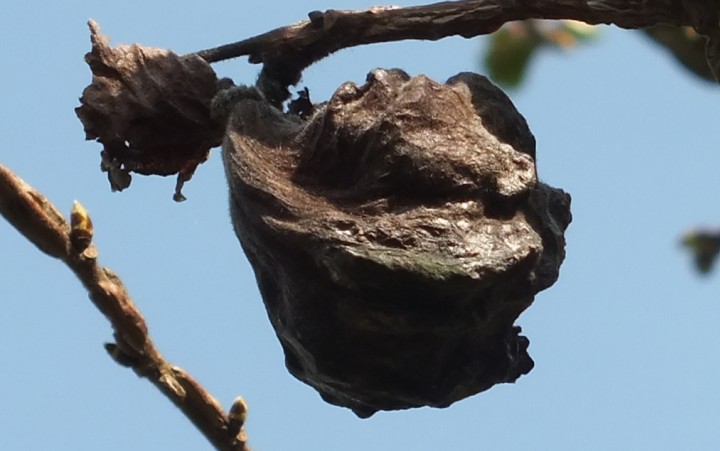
{"x": 396, "y": 235}
{"x": 704, "y": 15}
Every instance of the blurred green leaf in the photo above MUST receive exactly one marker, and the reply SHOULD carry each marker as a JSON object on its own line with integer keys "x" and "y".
{"x": 568, "y": 33}
{"x": 704, "y": 246}
{"x": 513, "y": 46}
{"x": 686, "y": 46}
{"x": 509, "y": 53}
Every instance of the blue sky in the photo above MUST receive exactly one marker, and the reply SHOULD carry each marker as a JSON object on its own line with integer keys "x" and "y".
{"x": 625, "y": 344}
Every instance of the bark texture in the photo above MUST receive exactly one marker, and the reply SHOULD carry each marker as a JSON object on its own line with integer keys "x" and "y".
{"x": 396, "y": 235}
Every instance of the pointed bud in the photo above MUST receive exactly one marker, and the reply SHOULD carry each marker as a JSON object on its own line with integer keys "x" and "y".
{"x": 238, "y": 414}
{"x": 81, "y": 227}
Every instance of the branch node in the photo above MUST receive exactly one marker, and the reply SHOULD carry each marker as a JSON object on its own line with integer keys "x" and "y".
{"x": 168, "y": 380}
{"x": 120, "y": 357}
{"x": 317, "y": 18}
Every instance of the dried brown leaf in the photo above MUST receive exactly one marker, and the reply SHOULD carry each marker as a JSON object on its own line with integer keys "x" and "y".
{"x": 149, "y": 108}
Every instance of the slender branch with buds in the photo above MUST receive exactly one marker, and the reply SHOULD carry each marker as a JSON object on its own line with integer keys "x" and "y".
{"x": 41, "y": 223}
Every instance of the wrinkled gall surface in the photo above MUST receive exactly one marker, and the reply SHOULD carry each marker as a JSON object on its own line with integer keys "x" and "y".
{"x": 396, "y": 235}
{"x": 150, "y": 109}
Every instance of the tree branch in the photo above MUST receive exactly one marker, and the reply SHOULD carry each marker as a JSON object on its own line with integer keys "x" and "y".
{"x": 285, "y": 52}
{"x": 332, "y": 30}
{"x": 41, "y": 223}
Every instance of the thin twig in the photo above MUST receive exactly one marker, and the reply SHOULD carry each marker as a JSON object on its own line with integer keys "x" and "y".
{"x": 36, "y": 218}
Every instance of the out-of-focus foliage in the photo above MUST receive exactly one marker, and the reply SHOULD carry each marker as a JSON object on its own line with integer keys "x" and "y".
{"x": 704, "y": 245}
{"x": 512, "y": 46}
{"x": 686, "y": 45}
